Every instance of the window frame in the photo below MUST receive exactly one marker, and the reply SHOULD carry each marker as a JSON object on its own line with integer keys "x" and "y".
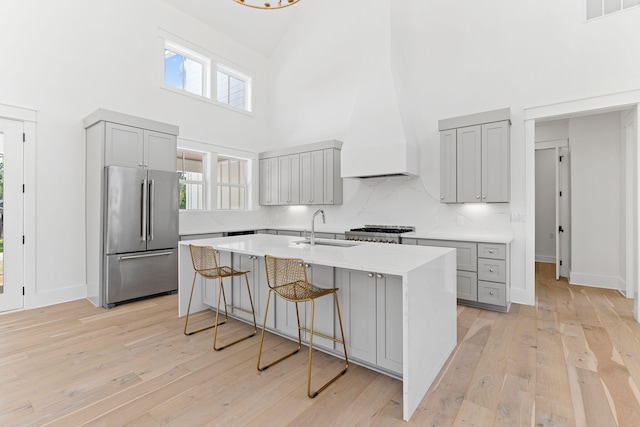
{"x": 204, "y": 182}
{"x": 201, "y": 59}
{"x": 246, "y": 187}
{"x": 603, "y": 12}
{"x": 238, "y": 75}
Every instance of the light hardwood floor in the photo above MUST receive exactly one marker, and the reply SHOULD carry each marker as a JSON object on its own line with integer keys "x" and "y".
{"x": 573, "y": 359}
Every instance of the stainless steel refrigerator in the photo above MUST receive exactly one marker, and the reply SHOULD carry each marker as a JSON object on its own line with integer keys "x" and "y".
{"x": 140, "y": 234}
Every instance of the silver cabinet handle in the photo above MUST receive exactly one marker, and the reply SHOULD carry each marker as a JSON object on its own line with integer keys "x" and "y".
{"x": 484, "y": 197}
{"x": 152, "y": 202}
{"x": 379, "y": 276}
{"x": 477, "y": 197}
{"x": 370, "y": 275}
{"x": 490, "y": 251}
{"x": 441, "y": 197}
{"x": 491, "y": 270}
{"x": 307, "y": 265}
{"x": 491, "y": 293}
{"x": 124, "y": 258}
{"x": 144, "y": 210}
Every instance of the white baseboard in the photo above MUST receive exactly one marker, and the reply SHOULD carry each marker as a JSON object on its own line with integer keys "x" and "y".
{"x": 57, "y": 296}
{"x": 546, "y": 258}
{"x": 595, "y": 280}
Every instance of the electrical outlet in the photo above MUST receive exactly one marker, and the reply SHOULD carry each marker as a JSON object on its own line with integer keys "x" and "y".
{"x": 518, "y": 217}
{"x": 460, "y": 220}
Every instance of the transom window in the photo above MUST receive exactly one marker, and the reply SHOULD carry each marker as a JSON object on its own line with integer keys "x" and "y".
{"x": 232, "y": 184}
{"x": 190, "y": 166}
{"x": 189, "y": 71}
{"x": 598, "y": 8}
{"x": 186, "y": 70}
{"x": 233, "y": 88}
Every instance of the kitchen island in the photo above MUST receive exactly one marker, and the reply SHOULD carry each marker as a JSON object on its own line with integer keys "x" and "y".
{"x": 398, "y": 302}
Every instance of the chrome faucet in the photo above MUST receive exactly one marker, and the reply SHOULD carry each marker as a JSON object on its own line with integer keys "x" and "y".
{"x": 313, "y": 233}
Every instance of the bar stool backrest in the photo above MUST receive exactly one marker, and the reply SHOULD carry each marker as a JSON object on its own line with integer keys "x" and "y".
{"x": 287, "y": 277}
{"x": 204, "y": 258}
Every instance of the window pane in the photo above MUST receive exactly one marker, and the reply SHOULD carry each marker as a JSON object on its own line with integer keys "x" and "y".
{"x": 234, "y": 198}
{"x": 225, "y": 197}
{"x": 234, "y": 172}
{"x": 223, "y": 170}
{"x": 173, "y": 69}
{"x": 223, "y": 87}
{"x": 242, "y": 198}
{"x": 194, "y": 196}
{"x": 193, "y": 76}
{"x": 236, "y": 93}
{"x": 611, "y": 6}
{"x": 630, "y": 3}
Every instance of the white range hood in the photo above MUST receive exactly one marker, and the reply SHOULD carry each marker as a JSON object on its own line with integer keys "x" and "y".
{"x": 375, "y": 143}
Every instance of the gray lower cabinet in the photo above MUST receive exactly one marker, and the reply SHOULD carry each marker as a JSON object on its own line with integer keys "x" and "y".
{"x": 371, "y": 306}
{"x": 482, "y": 272}
{"x": 285, "y": 311}
{"x": 257, "y": 283}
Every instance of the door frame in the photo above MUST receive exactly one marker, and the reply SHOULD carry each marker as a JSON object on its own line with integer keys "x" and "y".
{"x": 28, "y": 117}
{"x": 594, "y": 105}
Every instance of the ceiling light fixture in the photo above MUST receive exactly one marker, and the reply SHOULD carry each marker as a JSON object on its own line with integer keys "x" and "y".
{"x": 266, "y": 5}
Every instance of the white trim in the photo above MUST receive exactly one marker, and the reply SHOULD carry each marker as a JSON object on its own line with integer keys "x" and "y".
{"x": 17, "y": 113}
{"x": 595, "y": 280}
{"x": 546, "y": 258}
{"x": 593, "y": 105}
{"x": 556, "y": 143}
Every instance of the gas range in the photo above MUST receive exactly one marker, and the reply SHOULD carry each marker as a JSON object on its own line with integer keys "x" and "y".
{"x": 378, "y": 233}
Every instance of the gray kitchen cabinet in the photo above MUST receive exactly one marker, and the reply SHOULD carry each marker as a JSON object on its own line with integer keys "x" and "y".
{"x": 269, "y": 185}
{"x": 259, "y": 289}
{"x": 289, "y": 180}
{"x": 482, "y": 271}
{"x": 134, "y": 147}
{"x": 289, "y": 233}
{"x": 312, "y": 178}
{"x": 475, "y": 158}
{"x": 469, "y": 165}
{"x": 285, "y": 311}
{"x": 448, "y": 155}
{"x": 371, "y": 307}
{"x": 302, "y": 175}
{"x": 495, "y": 162}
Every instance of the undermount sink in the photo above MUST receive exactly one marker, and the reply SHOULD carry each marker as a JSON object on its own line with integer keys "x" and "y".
{"x": 328, "y": 242}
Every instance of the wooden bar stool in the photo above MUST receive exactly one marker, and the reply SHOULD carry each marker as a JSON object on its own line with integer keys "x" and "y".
{"x": 287, "y": 278}
{"x": 205, "y": 264}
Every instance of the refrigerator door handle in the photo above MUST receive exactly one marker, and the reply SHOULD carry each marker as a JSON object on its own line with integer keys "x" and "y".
{"x": 152, "y": 203}
{"x": 124, "y": 258}
{"x": 144, "y": 210}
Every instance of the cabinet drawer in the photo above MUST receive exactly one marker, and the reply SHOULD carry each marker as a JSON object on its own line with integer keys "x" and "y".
{"x": 491, "y": 269}
{"x": 492, "y": 293}
{"x": 466, "y": 252}
{"x": 490, "y": 250}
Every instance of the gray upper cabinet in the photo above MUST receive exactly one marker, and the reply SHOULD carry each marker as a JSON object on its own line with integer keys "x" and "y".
{"x": 269, "y": 174}
{"x": 289, "y": 180}
{"x": 448, "y": 168}
{"x": 475, "y": 158}
{"x": 469, "y": 165}
{"x": 302, "y": 175}
{"x": 134, "y": 147}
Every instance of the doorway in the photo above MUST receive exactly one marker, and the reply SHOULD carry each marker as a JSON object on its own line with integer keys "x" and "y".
{"x": 11, "y": 215}
{"x": 553, "y": 192}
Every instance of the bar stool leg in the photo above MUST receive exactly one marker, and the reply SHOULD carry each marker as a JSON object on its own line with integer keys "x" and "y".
{"x": 255, "y": 326}
{"x": 264, "y": 326}
{"x": 186, "y": 323}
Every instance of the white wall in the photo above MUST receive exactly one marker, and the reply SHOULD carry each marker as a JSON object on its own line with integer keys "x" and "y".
{"x": 597, "y": 200}
{"x": 67, "y": 58}
{"x": 449, "y": 59}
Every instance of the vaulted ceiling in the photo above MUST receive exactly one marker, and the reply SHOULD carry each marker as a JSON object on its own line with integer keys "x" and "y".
{"x": 260, "y": 30}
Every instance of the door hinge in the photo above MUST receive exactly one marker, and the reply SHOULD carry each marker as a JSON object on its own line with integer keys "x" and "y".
{"x": 560, "y": 229}
{"x": 560, "y": 262}
{"x": 23, "y": 291}
{"x": 560, "y": 159}
{"x": 23, "y": 188}
{"x": 24, "y": 137}
{"x": 23, "y": 239}
{"x": 561, "y": 194}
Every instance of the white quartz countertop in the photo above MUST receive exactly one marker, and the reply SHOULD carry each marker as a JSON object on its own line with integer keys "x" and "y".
{"x": 375, "y": 257}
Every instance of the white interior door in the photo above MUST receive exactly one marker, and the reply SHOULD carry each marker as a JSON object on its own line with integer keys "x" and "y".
{"x": 12, "y": 216}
